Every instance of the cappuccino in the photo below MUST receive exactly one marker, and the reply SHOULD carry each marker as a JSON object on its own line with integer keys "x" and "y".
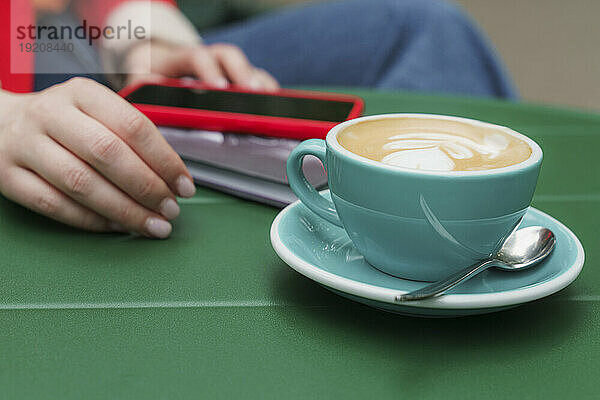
{"x": 434, "y": 145}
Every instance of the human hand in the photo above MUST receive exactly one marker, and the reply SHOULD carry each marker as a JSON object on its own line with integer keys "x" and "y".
{"x": 80, "y": 154}
{"x": 217, "y": 64}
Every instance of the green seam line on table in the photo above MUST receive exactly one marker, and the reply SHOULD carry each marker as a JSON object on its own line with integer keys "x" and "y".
{"x": 204, "y": 304}
{"x": 209, "y": 201}
{"x": 138, "y": 305}
{"x": 541, "y": 197}
{"x": 567, "y": 197}
{"x": 567, "y": 133}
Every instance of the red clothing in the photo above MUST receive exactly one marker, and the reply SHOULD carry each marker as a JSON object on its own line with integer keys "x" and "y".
{"x": 94, "y": 11}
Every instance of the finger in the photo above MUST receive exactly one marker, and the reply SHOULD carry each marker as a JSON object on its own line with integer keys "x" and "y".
{"x": 136, "y": 130}
{"x": 28, "y": 189}
{"x": 87, "y": 187}
{"x": 205, "y": 66}
{"x": 236, "y": 66}
{"x": 112, "y": 157}
{"x": 194, "y": 61}
{"x": 268, "y": 82}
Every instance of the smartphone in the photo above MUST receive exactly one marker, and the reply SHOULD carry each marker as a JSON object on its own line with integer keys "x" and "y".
{"x": 285, "y": 113}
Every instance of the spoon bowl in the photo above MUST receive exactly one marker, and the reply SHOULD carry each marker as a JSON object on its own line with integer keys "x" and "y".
{"x": 525, "y": 248}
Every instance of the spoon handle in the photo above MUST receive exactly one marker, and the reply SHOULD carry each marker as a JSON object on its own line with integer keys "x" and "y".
{"x": 439, "y": 287}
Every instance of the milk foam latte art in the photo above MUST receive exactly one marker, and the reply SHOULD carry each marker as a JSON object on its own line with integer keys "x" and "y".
{"x": 434, "y": 145}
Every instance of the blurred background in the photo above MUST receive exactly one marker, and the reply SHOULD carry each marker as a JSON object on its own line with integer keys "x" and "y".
{"x": 550, "y": 47}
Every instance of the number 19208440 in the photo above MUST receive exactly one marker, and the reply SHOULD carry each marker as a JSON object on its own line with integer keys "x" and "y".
{"x": 46, "y": 47}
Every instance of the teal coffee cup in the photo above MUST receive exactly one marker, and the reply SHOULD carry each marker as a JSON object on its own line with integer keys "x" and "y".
{"x": 419, "y": 224}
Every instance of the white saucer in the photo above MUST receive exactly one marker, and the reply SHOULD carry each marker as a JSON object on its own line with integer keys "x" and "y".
{"x": 324, "y": 253}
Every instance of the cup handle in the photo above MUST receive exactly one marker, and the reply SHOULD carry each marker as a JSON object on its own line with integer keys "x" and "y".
{"x": 302, "y": 188}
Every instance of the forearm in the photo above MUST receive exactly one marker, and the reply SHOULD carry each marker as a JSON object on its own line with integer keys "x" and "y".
{"x": 3, "y": 96}
{"x": 7, "y": 99}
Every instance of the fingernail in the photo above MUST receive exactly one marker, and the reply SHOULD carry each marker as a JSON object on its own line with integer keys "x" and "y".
{"x": 185, "y": 186}
{"x": 221, "y": 83}
{"x": 116, "y": 227}
{"x": 158, "y": 228}
{"x": 169, "y": 208}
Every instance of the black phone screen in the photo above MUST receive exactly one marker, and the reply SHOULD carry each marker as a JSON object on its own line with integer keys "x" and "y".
{"x": 244, "y": 103}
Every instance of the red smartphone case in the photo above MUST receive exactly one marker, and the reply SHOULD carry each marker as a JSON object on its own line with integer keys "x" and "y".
{"x": 291, "y": 128}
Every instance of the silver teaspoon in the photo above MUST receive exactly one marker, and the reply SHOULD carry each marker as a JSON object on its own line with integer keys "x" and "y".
{"x": 522, "y": 249}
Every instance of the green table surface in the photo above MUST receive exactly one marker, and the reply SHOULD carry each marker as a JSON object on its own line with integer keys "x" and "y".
{"x": 213, "y": 313}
